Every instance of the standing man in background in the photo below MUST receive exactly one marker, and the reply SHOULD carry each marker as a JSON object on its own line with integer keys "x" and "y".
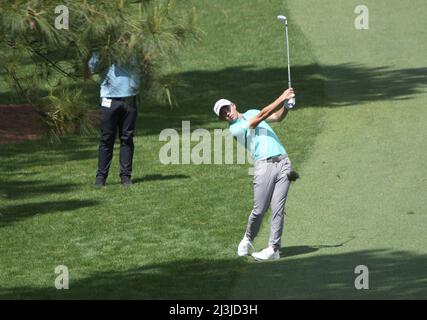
{"x": 118, "y": 109}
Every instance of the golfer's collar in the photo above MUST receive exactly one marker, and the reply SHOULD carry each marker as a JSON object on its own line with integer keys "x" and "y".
{"x": 239, "y": 119}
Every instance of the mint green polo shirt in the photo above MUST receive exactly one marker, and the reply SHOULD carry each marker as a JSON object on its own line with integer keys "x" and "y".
{"x": 262, "y": 141}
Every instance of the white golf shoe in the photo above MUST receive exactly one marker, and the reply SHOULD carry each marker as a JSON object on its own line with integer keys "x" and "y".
{"x": 266, "y": 254}
{"x": 244, "y": 247}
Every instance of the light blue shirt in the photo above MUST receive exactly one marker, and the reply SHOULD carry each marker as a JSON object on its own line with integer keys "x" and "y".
{"x": 118, "y": 83}
{"x": 262, "y": 141}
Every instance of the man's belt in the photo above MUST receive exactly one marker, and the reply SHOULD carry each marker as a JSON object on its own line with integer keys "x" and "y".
{"x": 125, "y": 99}
{"x": 276, "y": 158}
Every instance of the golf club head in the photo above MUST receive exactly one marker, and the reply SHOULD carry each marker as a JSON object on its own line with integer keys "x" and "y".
{"x": 293, "y": 176}
{"x": 283, "y": 19}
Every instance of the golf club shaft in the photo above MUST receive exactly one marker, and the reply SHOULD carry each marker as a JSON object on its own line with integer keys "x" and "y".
{"x": 289, "y": 104}
{"x": 287, "y": 54}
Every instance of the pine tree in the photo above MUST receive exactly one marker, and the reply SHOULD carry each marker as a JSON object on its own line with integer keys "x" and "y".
{"x": 142, "y": 34}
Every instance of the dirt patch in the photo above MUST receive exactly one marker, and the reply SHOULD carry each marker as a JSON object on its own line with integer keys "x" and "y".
{"x": 22, "y": 123}
{"x": 19, "y": 123}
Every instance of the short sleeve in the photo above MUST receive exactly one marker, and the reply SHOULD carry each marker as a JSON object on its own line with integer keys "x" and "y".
{"x": 251, "y": 113}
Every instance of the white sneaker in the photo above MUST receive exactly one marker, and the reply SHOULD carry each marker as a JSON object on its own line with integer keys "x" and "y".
{"x": 267, "y": 254}
{"x": 244, "y": 246}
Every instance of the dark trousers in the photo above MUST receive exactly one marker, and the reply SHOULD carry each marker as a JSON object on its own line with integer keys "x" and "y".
{"x": 121, "y": 116}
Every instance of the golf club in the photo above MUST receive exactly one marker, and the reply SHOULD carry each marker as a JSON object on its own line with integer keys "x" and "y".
{"x": 291, "y": 102}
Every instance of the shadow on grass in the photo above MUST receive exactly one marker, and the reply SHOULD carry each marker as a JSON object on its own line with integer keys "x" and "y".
{"x": 299, "y": 250}
{"x": 249, "y": 87}
{"x": 13, "y": 213}
{"x": 392, "y": 274}
{"x": 14, "y": 189}
{"x": 157, "y": 177}
{"x": 22, "y": 156}
{"x": 315, "y": 85}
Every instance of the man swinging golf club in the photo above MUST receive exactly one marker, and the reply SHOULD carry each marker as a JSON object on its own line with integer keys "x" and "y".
{"x": 272, "y": 168}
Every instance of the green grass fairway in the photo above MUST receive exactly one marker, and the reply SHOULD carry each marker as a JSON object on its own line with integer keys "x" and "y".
{"x": 365, "y": 181}
{"x": 358, "y": 138}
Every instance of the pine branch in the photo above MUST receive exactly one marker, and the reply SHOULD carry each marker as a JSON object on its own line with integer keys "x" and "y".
{"x": 21, "y": 91}
{"x": 51, "y": 63}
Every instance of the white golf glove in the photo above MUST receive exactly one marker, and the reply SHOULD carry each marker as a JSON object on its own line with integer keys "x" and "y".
{"x": 290, "y": 104}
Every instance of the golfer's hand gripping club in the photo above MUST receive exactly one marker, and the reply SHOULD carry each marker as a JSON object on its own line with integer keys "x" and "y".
{"x": 290, "y": 103}
{"x": 287, "y": 96}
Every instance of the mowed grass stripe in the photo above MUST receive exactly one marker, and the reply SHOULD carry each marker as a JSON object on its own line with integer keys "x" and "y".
{"x": 362, "y": 195}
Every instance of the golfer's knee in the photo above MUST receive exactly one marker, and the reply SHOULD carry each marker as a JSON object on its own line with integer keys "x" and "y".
{"x": 277, "y": 212}
{"x": 258, "y": 211}
{"x": 107, "y": 140}
{"x": 126, "y": 138}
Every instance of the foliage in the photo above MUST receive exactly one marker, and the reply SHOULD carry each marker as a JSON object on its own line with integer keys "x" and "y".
{"x": 67, "y": 113}
{"x": 145, "y": 35}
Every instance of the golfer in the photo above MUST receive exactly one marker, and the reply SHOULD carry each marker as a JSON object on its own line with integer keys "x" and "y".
{"x": 272, "y": 168}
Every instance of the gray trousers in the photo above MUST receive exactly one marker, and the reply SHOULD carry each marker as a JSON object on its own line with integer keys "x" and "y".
{"x": 271, "y": 185}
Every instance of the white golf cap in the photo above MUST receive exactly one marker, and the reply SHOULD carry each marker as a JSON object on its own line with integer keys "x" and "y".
{"x": 221, "y": 103}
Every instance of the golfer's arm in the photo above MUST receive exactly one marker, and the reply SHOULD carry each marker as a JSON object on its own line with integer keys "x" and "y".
{"x": 279, "y": 115}
{"x": 265, "y": 113}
